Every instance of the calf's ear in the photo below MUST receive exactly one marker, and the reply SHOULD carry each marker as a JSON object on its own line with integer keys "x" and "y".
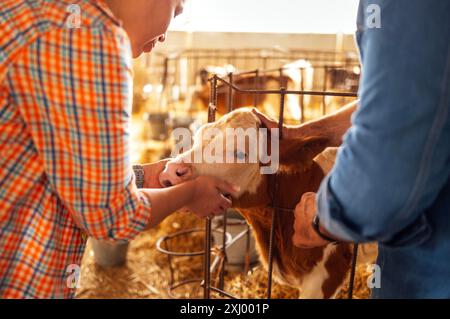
{"x": 301, "y": 151}
{"x": 326, "y": 159}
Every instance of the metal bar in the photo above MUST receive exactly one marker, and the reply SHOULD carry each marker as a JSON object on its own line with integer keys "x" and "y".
{"x": 274, "y": 197}
{"x": 224, "y": 252}
{"x": 222, "y": 292}
{"x": 302, "y": 97}
{"x": 281, "y": 117}
{"x": 324, "y": 98}
{"x": 270, "y": 266}
{"x": 230, "y": 93}
{"x": 178, "y": 254}
{"x": 260, "y": 92}
{"x": 275, "y": 70}
{"x": 353, "y": 271}
{"x": 206, "y": 269}
{"x": 213, "y": 99}
{"x": 164, "y": 241}
{"x": 169, "y": 257}
{"x": 230, "y": 241}
{"x": 248, "y": 72}
{"x": 247, "y": 250}
{"x": 280, "y": 78}
{"x": 207, "y": 262}
{"x": 256, "y": 96}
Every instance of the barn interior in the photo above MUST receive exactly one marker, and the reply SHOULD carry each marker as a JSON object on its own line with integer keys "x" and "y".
{"x": 255, "y": 44}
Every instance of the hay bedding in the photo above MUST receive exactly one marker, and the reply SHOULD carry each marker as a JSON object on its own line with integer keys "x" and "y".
{"x": 146, "y": 273}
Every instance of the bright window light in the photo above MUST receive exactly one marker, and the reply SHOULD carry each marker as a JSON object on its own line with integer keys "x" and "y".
{"x": 269, "y": 16}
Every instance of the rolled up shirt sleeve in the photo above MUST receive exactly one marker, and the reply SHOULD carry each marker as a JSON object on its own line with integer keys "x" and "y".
{"x": 395, "y": 158}
{"x": 76, "y": 95}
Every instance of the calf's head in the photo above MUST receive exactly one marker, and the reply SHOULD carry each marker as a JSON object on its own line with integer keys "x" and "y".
{"x": 212, "y": 155}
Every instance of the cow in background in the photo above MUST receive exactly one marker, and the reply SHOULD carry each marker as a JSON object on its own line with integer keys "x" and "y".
{"x": 297, "y": 75}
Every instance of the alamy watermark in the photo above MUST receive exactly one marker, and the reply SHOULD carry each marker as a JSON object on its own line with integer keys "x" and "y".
{"x": 373, "y": 20}
{"x": 74, "y": 276}
{"x": 73, "y": 21}
{"x": 234, "y": 145}
{"x": 374, "y": 280}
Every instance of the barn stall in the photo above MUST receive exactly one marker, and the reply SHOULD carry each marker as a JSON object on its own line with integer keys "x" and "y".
{"x": 198, "y": 77}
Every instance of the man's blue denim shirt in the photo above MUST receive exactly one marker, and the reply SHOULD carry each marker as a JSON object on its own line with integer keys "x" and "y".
{"x": 391, "y": 182}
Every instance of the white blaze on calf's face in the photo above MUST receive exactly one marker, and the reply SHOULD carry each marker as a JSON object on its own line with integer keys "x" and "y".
{"x": 209, "y": 156}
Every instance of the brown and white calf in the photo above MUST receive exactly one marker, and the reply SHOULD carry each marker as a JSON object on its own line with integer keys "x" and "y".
{"x": 317, "y": 272}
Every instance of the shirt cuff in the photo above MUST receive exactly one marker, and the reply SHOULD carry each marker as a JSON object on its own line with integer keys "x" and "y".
{"x": 335, "y": 221}
{"x": 330, "y": 212}
{"x": 132, "y": 214}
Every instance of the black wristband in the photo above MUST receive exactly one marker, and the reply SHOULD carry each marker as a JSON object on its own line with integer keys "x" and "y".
{"x": 316, "y": 227}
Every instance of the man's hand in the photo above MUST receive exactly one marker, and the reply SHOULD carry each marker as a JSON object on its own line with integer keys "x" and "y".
{"x": 151, "y": 174}
{"x": 288, "y": 131}
{"x": 332, "y": 126}
{"x": 305, "y": 236}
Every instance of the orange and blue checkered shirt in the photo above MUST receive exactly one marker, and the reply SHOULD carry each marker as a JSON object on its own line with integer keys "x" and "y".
{"x": 65, "y": 171}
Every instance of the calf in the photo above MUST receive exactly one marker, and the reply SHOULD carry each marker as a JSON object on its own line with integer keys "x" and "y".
{"x": 244, "y": 82}
{"x": 317, "y": 272}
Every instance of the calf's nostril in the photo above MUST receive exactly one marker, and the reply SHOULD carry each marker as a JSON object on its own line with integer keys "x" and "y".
{"x": 167, "y": 183}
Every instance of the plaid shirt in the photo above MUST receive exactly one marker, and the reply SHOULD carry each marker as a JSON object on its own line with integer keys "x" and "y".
{"x": 65, "y": 171}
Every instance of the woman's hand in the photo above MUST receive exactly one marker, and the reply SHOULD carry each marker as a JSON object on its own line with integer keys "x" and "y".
{"x": 151, "y": 173}
{"x": 210, "y": 196}
{"x": 203, "y": 196}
